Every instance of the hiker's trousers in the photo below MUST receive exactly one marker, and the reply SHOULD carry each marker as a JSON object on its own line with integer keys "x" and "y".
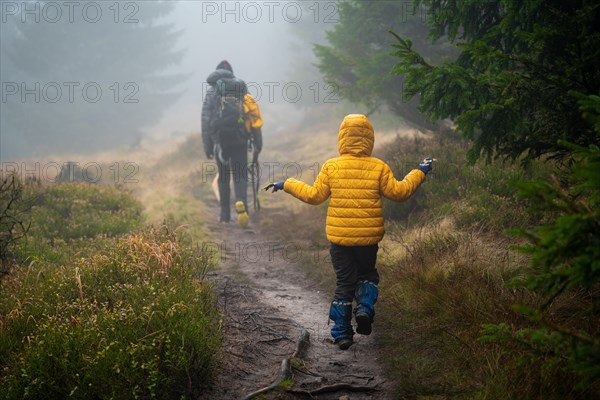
{"x": 236, "y": 168}
{"x": 353, "y": 264}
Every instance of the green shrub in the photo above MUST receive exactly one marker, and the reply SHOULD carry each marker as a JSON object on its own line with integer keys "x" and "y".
{"x": 78, "y": 210}
{"x": 128, "y": 322}
{"x": 65, "y": 216}
{"x": 565, "y": 258}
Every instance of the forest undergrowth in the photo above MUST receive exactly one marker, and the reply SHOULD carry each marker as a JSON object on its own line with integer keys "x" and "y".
{"x": 99, "y": 303}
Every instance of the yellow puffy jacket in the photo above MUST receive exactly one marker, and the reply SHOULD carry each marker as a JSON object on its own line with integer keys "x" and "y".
{"x": 355, "y": 181}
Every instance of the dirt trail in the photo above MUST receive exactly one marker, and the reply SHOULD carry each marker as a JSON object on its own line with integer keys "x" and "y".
{"x": 267, "y": 301}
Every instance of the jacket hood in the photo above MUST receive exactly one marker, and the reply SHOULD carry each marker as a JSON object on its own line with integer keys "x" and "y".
{"x": 225, "y": 65}
{"x": 356, "y": 136}
{"x": 218, "y": 74}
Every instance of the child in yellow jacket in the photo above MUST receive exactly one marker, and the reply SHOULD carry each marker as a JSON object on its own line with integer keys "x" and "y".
{"x": 356, "y": 182}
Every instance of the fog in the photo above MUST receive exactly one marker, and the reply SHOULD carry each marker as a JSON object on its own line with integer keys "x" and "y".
{"x": 85, "y": 76}
{"x": 258, "y": 39}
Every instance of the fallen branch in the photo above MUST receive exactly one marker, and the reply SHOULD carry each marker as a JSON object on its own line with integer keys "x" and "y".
{"x": 285, "y": 370}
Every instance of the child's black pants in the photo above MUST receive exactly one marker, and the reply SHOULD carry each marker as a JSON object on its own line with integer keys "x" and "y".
{"x": 353, "y": 264}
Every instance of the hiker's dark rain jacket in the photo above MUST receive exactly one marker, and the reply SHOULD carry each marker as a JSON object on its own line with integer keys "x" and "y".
{"x": 253, "y": 120}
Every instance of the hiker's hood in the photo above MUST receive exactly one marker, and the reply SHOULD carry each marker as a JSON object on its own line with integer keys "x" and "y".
{"x": 225, "y": 65}
{"x": 218, "y": 74}
{"x": 356, "y": 136}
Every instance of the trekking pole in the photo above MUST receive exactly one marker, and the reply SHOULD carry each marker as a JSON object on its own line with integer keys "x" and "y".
{"x": 257, "y": 190}
{"x": 255, "y": 184}
{"x": 252, "y": 183}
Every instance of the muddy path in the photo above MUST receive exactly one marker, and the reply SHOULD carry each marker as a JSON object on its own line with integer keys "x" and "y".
{"x": 267, "y": 300}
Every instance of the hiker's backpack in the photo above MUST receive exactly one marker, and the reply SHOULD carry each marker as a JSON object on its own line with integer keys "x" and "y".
{"x": 228, "y": 116}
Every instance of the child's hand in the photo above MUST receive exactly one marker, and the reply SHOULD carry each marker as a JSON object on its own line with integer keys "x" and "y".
{"x": 276, "y": 186}
{"x": 425, "y": 165}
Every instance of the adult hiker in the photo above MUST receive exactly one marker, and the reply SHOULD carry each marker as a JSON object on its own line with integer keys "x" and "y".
{"x": 356, "y": 182}
{"x": 231, "y": 124}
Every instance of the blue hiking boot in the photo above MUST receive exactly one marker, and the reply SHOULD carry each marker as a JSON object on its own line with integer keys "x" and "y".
{"x": 340, "y": 313}
{"x": 364, "y": 313}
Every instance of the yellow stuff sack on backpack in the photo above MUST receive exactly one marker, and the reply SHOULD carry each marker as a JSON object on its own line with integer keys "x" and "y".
{"x": 251, "y": 113}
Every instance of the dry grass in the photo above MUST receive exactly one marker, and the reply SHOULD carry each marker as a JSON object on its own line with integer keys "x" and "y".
{"x": 439, "y": 286}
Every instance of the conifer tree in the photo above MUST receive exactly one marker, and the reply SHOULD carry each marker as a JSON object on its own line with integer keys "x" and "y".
{"x": 357, "y": 59}
{"x": 510, "y": 88}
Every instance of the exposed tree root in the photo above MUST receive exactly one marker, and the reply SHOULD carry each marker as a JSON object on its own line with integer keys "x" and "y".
{"x": 285, "y": 370}
{"x": 333, "y": 388}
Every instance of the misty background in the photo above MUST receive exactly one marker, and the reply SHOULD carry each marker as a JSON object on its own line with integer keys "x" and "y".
{"x": 86, "y": 76}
